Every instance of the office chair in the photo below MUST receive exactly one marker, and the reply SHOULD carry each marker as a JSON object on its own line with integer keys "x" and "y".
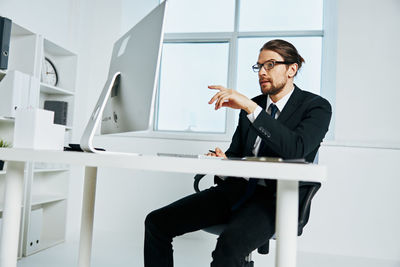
{"x": 304, "y": 214}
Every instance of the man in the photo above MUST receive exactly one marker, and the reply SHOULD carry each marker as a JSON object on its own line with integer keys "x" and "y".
{"x": 283, "y": 121}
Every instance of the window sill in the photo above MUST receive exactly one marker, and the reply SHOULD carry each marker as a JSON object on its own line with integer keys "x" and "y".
{"x": 362, "y": 144}
{"x": 194, "y": 136}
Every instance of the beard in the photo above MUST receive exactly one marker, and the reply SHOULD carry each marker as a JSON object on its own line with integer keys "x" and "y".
{"x": 272, "y": 89}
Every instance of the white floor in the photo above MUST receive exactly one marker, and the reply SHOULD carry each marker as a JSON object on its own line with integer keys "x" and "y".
{"x": 188, "y": 252}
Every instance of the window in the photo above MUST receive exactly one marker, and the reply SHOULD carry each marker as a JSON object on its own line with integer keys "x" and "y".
{"x": 280, "y": 15}
{"x": 217, "y": 42}
{"x": 200, "y": 16}
{"x": 186, "y": 71}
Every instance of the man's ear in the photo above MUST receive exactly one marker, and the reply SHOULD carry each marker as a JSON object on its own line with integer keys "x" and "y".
{"x": 292, "y": 70}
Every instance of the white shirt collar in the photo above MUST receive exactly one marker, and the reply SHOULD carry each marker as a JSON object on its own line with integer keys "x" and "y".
{"x": 281, "y": 103}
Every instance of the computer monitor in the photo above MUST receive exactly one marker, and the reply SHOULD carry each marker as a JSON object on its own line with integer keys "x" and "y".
{"x": 126, "y": 103}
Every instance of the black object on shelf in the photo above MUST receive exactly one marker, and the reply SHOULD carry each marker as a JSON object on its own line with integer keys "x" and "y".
{"x": 5, "y": 35}
{"x": 60, "y": 109}
{"x": 77, "y": 148}
{"x": 1, "y": 165}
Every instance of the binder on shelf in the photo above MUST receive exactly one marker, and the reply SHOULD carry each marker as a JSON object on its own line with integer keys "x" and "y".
{"x": 35, "y": 231}
{"x": 3, "y": 166}
{"x": 17, "y": 90}
{"x": 60, "y": 109}
{"x": 5, "y": 35}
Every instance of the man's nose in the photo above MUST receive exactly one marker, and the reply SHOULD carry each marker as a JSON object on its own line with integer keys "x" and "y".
{"x": 262, "y": 72}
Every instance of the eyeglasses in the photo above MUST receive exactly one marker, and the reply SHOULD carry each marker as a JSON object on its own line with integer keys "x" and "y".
{"x": 267, "y": 65}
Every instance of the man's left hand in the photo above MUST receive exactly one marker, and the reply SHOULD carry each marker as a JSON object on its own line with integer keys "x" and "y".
{"x": 232, "y": 99}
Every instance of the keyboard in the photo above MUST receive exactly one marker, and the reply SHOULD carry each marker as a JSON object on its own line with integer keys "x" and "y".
{"x": 190, "y": 156}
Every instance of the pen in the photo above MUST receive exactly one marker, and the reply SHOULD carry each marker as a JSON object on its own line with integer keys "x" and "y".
{"x": 212, "y": 151}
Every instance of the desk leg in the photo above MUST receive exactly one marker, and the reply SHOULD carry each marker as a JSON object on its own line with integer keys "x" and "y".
{"x": 89, "y": 194}
{"x": 14, "y": 182}
{"x": 286, "y": 223}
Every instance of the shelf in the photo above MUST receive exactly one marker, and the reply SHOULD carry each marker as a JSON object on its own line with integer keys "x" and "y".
{"x": 38, "y": 170}
{"x": 3, "y": 172}
{"x": 45, "y": 199}
{"x": 48, "y": 89}
{"x": 56, "y": 50}
{"x": 17, "y": 30}
{"x": 7, "y": 119}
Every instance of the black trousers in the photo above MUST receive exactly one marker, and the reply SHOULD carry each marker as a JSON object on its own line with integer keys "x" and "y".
{"x": 248, "y": 227}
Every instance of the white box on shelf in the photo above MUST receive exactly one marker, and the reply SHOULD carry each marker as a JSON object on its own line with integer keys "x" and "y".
{"x": 35, "y": 230}
{"x": 18, "y": 90}
{"x": 34, "y": 128}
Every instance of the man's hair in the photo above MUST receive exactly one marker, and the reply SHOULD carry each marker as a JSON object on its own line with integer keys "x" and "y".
{"x": 285, "y": 50}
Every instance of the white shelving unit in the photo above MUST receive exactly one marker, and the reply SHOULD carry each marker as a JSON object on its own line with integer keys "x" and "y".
{"x": 45, "y": 184}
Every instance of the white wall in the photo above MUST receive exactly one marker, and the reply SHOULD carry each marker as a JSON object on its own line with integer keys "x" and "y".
{"x": 367, "y": 90}
{"x": 53, "y": 19}
{"x": 356, "y": 213}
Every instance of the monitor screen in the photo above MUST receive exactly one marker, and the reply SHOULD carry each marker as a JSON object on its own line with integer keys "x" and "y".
{"x": 126, "y": 103}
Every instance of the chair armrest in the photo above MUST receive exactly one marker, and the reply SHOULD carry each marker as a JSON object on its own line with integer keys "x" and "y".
{"x": 197, "y": 179}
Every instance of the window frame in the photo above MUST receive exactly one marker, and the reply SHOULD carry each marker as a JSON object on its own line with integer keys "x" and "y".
{"x": 328, "y": 69}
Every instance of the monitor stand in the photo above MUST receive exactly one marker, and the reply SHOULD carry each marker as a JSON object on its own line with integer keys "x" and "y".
{"x": 91, "y": 127}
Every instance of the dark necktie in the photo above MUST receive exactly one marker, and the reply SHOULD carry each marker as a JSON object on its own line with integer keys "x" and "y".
{"x": 274, "y": 110}
{"x": 251, "y": 185}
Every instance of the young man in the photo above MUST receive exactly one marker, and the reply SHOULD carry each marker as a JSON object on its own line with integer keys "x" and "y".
{"x": 283, "y": 121}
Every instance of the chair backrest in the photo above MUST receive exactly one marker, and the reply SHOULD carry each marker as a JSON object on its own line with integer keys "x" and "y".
{"x": 305, "y": 205}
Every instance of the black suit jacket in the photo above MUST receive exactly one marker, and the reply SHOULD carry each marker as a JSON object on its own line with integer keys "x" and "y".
{"x": 297, "y": 133}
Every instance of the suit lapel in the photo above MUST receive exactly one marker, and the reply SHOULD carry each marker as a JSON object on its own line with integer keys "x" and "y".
{"x": 291, "y": 106}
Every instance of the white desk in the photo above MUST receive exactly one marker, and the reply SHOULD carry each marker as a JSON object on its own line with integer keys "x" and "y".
{"x": 287, "y": 174}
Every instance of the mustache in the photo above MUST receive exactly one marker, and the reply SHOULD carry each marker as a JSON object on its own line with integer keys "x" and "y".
{"x": 264, "y": 80}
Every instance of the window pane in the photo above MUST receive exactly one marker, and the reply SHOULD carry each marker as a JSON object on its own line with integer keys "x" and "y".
{"x": 186, "y": 71}
{"x": 273, "y": 15}
{"x": 308, "y": 78}
{"x": 200, "y": 16}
